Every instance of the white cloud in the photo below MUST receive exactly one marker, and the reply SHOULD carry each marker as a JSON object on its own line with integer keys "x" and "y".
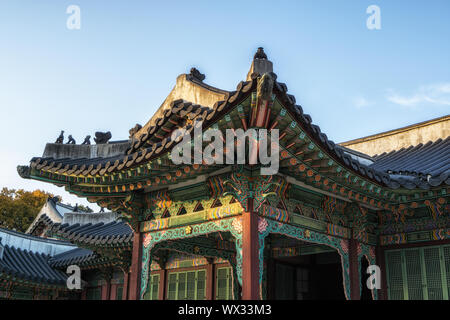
{"x": 437, "y": 94}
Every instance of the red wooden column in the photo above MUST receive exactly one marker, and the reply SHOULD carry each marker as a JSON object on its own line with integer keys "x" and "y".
{"x": 210, "y": 280}
{"x": 107, "y": 275}
{"x": 106, "y": 290}
{"x": 250, "y": 256}
{"x": 354, "y": 270}
{"x": 126, "y": 276}
{"x": 83, "y": 294}
{"x": 113, "y": 292}
{"x": 382, "y": 293}
{"x": 162, "y": 284}
{"x": 134, "y": 285}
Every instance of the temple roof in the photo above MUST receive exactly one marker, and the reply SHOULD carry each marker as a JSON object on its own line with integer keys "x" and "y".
{"x": 30, "y": 266}
{"x": 52, "y": 212}
{"x": 189, "y": 87}
{"x": 78, "y": 256}
{"x": 155, "y": 141}
{"x": 306, "y": 153}
{"x": 26, "y": 258}
{"x": 430, "y": 161}
{"x": 116, "y": 233}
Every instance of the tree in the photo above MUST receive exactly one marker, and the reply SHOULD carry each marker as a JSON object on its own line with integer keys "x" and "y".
{"x": 18, "y": 208}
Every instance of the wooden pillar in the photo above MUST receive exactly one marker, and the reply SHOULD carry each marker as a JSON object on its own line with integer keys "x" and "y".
{"x": 113, "y": 292}
{"x": 107, "y": 275}
{"x": 250, "y": 254}
{"x": 134, "y": 286}
{"x": 162, "y": 284}
{"x": 210, "y": 280}
{"x": 84, "y": 294}
{"x": 382, "y": 293}
{"x": 354, "y": 270}
{"x": 106, "y": 289}
{"x": 126, "y": 276}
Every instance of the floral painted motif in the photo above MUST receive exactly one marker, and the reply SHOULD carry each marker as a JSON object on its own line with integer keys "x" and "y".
{"x": 147, "y": 240}
{"x": 344, "y": 246}
{"x": 262, "y": 225}
{"x": 242, "y": 188}
{"x": 237, "y": 225}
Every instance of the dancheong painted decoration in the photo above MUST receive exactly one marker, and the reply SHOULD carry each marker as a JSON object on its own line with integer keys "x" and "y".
{"x": 332, "y": 222}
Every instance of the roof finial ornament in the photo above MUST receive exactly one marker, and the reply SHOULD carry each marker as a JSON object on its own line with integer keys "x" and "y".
{"x": 102, "y": 137}
{"x": 71, "y": 140}
{"x": 134, "y": 130}
{"x": 60, "y": 139}
{"x": 265, "y": 86}
{"x": 260, "y": 65}
{"x": 87, "y": 140}
{"x": 260, "y": 54}
{"x": 195, "y": 74}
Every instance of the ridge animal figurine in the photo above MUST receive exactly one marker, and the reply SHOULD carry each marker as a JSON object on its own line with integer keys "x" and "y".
{"x": 71, "y": 140}
{"x": 102, "y": 137}
{"x": 60, "y": 139}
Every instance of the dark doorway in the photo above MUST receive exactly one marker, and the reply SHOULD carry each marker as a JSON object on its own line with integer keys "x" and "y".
{"x": 366, "y": 293}
{"x": 308, "y": 277}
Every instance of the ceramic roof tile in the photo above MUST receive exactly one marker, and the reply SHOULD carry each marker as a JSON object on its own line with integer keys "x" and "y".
{"x": 429, "y": 162}
{"x": 30, "y": 266}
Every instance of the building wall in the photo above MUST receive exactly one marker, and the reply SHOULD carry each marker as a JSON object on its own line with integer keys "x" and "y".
{"x": 412, "y": 135}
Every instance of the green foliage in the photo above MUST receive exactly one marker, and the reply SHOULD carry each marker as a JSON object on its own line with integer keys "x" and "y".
{"x": 18, "y": 208}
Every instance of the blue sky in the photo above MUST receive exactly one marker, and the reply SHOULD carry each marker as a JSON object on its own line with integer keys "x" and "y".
{"x": 118, "y": 68}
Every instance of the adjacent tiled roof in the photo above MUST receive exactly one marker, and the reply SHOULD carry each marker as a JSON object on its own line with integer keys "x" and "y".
{"x": 29, "y": 266}
{"x": 427, "y": 162}
{"x": 149, "y": 145}
{"x": 134, "y": 156}
{"x": 115, "y": 233}
{"x": 42, "y": 220}
{"x": 76, "y": 256}
{"x": 63, "y": 208}
{"x": 47, "y": 217}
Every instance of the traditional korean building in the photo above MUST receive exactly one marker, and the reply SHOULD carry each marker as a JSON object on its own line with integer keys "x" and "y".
{"x": 33, "y": 265}
{"x": 26, "y": 270}
{"x": 225, "y": 231}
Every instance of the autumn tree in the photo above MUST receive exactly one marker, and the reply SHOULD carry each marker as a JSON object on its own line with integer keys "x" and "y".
{"x": 18, "y": 208}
